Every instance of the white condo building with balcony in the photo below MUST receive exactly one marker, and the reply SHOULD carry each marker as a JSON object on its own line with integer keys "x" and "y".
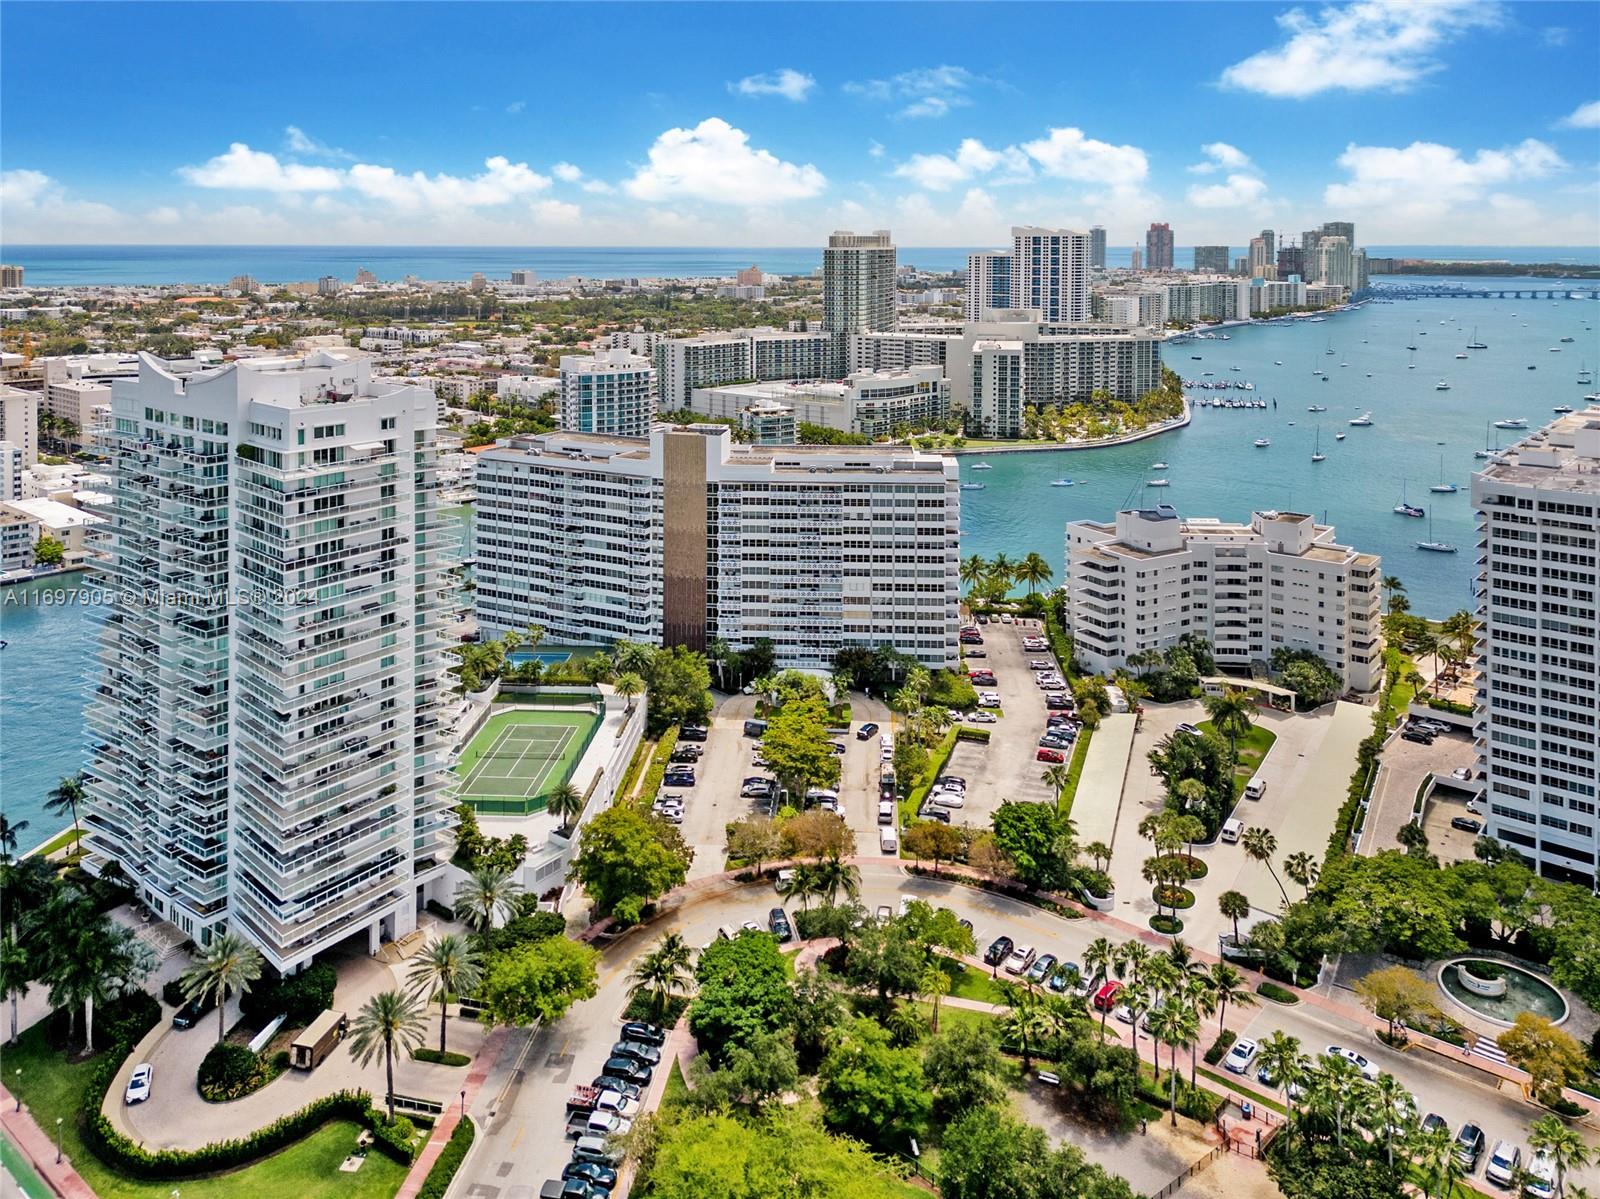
{"x": 271, "y": 691}
{"x": 1537, "y": 716}
{"x": 1278, "y": 582}
{"x": 611, "y": 391}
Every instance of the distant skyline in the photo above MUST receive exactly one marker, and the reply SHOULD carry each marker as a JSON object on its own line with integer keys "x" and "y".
{"x": 1463, "y": 122}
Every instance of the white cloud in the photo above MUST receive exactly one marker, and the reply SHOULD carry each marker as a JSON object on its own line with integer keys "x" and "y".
{"x": 875, "y": 148}
{"x": 501, "y": 182}
{"x": 937, "y": 172}
{"x": 24, "y": 187}
{"x": 926, "y": 91}
{"x": 1240, "y": 191}
{"x": 715, "y": 162}
{"x": 516, "y": 107}
{"x": 1427, "y": 178}
{"x": 786, "y": 82}
{"x": 298, "y": 141}
{"x": 1554, "y": 35}
{"x": 556, "y": 212}
{"x": 1585, "y": 116}
{"x": 1372, "y": 44}
{"x": 1220, "y": 156}
{"x": 566, "y": 172}
{"x": 256, "y": 170}
{"x": 1067, "y": 154}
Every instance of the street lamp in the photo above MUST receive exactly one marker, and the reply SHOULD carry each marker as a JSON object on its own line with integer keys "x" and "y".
{"x": 58, "y": 1140}
{"x": 463, "y": 1103}
{"x": 19, "y": 1088}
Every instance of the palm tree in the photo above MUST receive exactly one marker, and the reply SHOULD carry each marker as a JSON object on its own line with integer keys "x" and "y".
{"x": 1025, "y": 1019}
{"x": 1279, "y": 1055}
{"x": 1336, "y": 1087}
{"x": 1138, "y": 998}
{"x": 933, "y": 984}
{"x": 387, "y": 1021}
{"x": 8, "y": 837}
{"x": 1227, "y": 986}
{"x": 1567, "y": 1150}
{"x": 628, "y": 685}
{"x": 1259, "y": 846}
{"x": 1441, "y": 1169}
{"x": 1098, "y": 852}
{"x": 1135, "y": 954}
{"x": 834, "y": 875}
{"x": 1002, "y": 571}
{"x": 88, "y": 958}
{"x": 446, "y": 965}
{"x": 1393, "y": 1108}
{"x": 1176, "y": 1027}
{"x": 1100, "y": 959}
{"x": 1055, "y": 777}
{"x": 226, "y": 966}
{"x": 565, "y": 803}
{"x": 1393, "y": 588}
{"x": 663, "y": 974}
{"x": 1034, "y": 571}
{"x": 1234, "y": 905}
{"x": 66, "y": 797}
{"x": 1231, "y": 714}
{"x": 15, "y": 975}
{"x": 803, "y": 883}
{"x": 974, "y": 569}
{"x": 1302, "y": 868}
{"x": 485, "y": 894}
{"x": 718, "y": 652}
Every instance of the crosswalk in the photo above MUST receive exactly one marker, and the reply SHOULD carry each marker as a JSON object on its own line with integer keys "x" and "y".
{"x": 1485, "y": 1047}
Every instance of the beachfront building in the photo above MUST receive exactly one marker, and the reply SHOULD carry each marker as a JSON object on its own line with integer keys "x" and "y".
{"x": 872, "y": 403}
{"x": 272, "y": 679}
{"x": 988, "y": 283}
{"x": 611, "y": 391}
{"x": 1537, "y": 715}
{"x": 688, "y": 538}
{"x": 1049, "y": 273}
{"x": 1145, "y": 580}
{"x": 1129, "y": 306}
{"x": 19, "y": 421}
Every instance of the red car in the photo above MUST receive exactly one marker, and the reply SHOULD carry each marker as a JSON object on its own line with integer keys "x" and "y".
{"x": 1106, "y": 997}
{"x": 1046, "y": 754}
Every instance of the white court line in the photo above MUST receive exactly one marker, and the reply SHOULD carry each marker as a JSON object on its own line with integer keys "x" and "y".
{"x": 479, "y": 772}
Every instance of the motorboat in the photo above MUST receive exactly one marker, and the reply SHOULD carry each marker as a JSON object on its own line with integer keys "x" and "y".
{"x": 972, "y": 487}
{"x": 1157, "y": 483}
{"x": 1363, "y": 421}
{"x": 1463, "y": 354}
{"x": 1317, "y": 408}
{"x": 1262, "y": 443}
{"x": 1063, "y": 482}
{"x": 1159, "y": 466}
{"x": 1338, "y": 436}
{"x": 1562, "y": 409}
{"x": 1511, "y": 423}
{"x": 1566, "y": 341}
{"x": 1441, "y": 385}
{"x": 1275, "y": 363}
{"x": 981, "y": 466}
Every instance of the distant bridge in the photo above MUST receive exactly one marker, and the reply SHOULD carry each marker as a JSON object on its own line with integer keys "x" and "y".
{"x": 1485, "y": 293}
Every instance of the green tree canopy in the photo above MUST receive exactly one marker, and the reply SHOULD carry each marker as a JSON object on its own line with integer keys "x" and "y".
{"x": 538, "y": 981}
{"x": 870, "y": 1089}
{"x": 627, "y": 860}
{"x": 743, "y": 992}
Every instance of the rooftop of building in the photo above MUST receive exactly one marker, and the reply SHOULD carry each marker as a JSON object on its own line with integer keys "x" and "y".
{"x": 1564, "y": 455}
{"x": 53, "y": 514}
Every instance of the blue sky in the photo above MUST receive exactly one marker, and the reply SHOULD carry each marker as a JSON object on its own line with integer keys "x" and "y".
{"x": 1462, "y": 121}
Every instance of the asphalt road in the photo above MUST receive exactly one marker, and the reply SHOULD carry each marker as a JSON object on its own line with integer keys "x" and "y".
{"x": 522, "y": 1108}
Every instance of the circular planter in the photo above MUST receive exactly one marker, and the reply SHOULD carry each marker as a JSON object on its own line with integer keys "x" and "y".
{"x": 1169, "y": 926}
{"x": 1179, "y": 898}
{"x": 1197, "y": 867}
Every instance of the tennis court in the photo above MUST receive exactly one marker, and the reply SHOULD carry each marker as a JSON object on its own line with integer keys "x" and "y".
{"x": 520, "y": 756}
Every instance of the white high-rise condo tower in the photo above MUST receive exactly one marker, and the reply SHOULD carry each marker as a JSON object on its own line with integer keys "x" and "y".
{"x": 1050, "y": 273}
{"x": 1537, "y": 719}
{"x": 612, "y": 392}
{"x": 988, "y": 284}
{"x": 272, "y": 684}
{"x": 858, "y": 282}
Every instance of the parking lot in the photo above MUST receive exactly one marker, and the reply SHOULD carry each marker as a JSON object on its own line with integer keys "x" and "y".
{"x": 1404, "y": 765}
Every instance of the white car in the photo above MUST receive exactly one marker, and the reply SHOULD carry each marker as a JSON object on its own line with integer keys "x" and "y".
{"x": 1021, "y": 958}
{"x": 1541, "y": 1176}
{"x": 139, "y": 1084}
{"x": 983, "y": 718}
{"x": 1240, "y": 1056}
{"x": 886, "y": 754}
{"x": 1005, "y": 618}
{"x": 1368, "y": 1070}
{"x": 947, "y": 799}
{"x": 1504, "y": 1162}
{"x": 752, "y": 926}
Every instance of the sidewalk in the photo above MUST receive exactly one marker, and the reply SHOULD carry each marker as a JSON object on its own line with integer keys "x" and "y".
{"x": 451, "y": 1116}
{"x": 1105, "y": 769}
{"x": 40, "y": 1150}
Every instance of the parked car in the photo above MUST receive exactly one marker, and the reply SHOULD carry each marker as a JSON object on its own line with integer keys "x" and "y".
{"x": 977, "y": 653}
{"x": 692, "y": 732}
{"x": 947, "y": 799}
{"x": 622, "y": 1086}
{"x": 1432, "y": 1121}
{"x": 1505, "y": 1160}
{"x": 648, "y": 1054}
{"x": 1462, "y": 774}
{"x": 1058, "y": 703}
{"x": 756, "y": 787}
{"x": 1540, "y": 1176}
{"x": 884, "y": 913}
{"x": 679, "y": 778}
{"x": 1064, "y": 976}
{"x": 1240, "y": 1056}
{"x": 1021, "y": 958}
{"x": 1047, "y": 754}
{"x": 1041, "y": 968}
{"x": 192, "y": 1012}
{"x": 592, "y": 1173}
{"x": 644, "y": 1034}
{"x": 1469, "y": 1146}
{"x": 1368, "y": 1070}
{"x": 139, "y": 1084}
{"x": 593, "y": 1149}
{"x": 867, "y": 732}
{"x": 1467, "y": 824}
{"x": 989, "y": 700}
{"x": 1106, "y": 997}
{"x": 1187, "y": 728}
{"x": 629, "y": 1070}
{"x": 981, "y": 717}
{"x": 778, "y": 922}
{"x": 1420, "y": 736}
{"x": 999, "y": 950}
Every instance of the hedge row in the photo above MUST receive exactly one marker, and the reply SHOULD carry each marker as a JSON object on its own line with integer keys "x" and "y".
{"x": 1445, "y": 705}
{"x": 1220, "y": 1046}
{"x": 440, "y": 1059}
{"x": 967, "y": 732}
{"x": 445, "y": 1166}
{"x": 658, "y": 764}
{"x": 1276, "y": 993}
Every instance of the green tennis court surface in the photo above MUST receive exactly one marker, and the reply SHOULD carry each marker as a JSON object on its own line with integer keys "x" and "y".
{"x": 520, "y": 756}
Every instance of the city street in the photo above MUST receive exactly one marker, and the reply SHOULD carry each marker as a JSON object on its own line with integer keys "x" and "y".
{"x": 522, "y": 1109}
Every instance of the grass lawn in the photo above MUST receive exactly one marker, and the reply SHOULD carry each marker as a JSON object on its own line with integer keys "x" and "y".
{"x": 1404, "y": 692}
{"x": 1252, "y": 748}
{"x": 967, "y": 982}
{"x": 676, "y": 1090}
{"x": 52, "y": 1087}
{"x": 1075, "y": 771}
{"x": 62, "y": 839}
{"x": 954, "y": 1017}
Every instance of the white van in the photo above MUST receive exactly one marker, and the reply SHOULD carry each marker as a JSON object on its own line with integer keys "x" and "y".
{"x": 1232, "y": 830}
{"x": 888, "y": 840}
{"x": 1255, "y": 788}
{"x": 886, "y": 811}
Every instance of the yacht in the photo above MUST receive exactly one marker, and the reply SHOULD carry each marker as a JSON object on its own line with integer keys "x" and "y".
{"x": 1063, "y": 482}
{"x": 1159, "y": 466}
{"x": 1317, "y": 408}
{"x": 1585, "y": 378}
{"x": 1338, "y": 436}
{"x": 1562, "y": 409}
{"x": 1316, "y": 453}
{"x": 972, "y": 487}
{"x": 1463, "y": 354}
{"x": 1406, "y": 509}
{"x": 1196, "y": 358}
{"x": 1262, "y": 443}
{"x": 1157, "y": 483}
{"x": 981, "y": 466}
{"x": 1277, "y": 364}
{"x": 1511, "y": 423}
{"x": 1554, "y": 350}
{"x": 1441, "y": 385}
{"x": 1566, "y": 341}
{"x": 1363, "y": 421}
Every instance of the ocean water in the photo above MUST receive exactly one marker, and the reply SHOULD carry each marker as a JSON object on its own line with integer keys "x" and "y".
{"x": 83, "y": 265}
{"x": 1420, "y": 436}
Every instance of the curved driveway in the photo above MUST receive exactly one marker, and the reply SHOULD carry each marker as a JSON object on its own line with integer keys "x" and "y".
{"x": 521, "y": 1108}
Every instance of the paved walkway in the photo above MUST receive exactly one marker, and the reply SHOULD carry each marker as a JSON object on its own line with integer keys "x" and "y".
{"x": 40, "y": 1150}
{"x": 1105, "y": 769}
{"x": 477, "y": 1073}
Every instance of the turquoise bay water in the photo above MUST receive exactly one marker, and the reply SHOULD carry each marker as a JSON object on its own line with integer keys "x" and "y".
{"x": 1215, "y": 470}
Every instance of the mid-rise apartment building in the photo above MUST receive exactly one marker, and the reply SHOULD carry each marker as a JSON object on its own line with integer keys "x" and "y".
{"x": 988, "y": 284}
{"x": 1050, "y": 273}
{"x": 611, "y": 391}
{"x": 10, "y": 276}
{"x": 790, "y": 354}
{"x": 19, "y": 421}
{"x": 11, "y": 469}
{"x": 1133, "y": 306}
{"x": 872, "y": 403}
{"x": 1280, "y": 582}
{"x": 710, "y": 360}
{"x": 1537, "y": 715}
{"x": 1211, "y": 260}
{"x": 899, "y": 349}
{"x": 272, "y": 680}
{"x": 689, "y": 537}
{"x": 1158, "y": 247}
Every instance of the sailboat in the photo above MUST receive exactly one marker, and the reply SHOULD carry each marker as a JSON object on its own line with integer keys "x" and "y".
{"x": 1585, "y": 378}
{"x": 1063, "y": 482}
{"x": 1435, "y": 547}
{"x": 1441, "y": 487}
{"x": 1487, "y": 452}
{"x": 1316, "y": 452}
{"x": 1330, "y": 347}
{"x": 1412, "y": 365}
{"x": 1475, "y": 344}
{"x": 1405, "y": 509}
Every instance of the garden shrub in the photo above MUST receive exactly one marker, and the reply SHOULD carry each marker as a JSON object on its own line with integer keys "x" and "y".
{"x": 395, "y": 1139}
{"x": 440, "y": 910}
{"x": 1219, "y": 1047}
{"x": 640, "y": 1008}
{"x": 1484, "y": 971}
{"x": 448, "y": 1162}
{"x": 658, "y": 764}
{"x": 301, "y": 997}
{"x": 1170, "y": 925}
{"x": 231, "y": 1071}
{"x": 440, "y": 1059}
{"x": 1276, "y": 993}
{"x": 172, "y": 993}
